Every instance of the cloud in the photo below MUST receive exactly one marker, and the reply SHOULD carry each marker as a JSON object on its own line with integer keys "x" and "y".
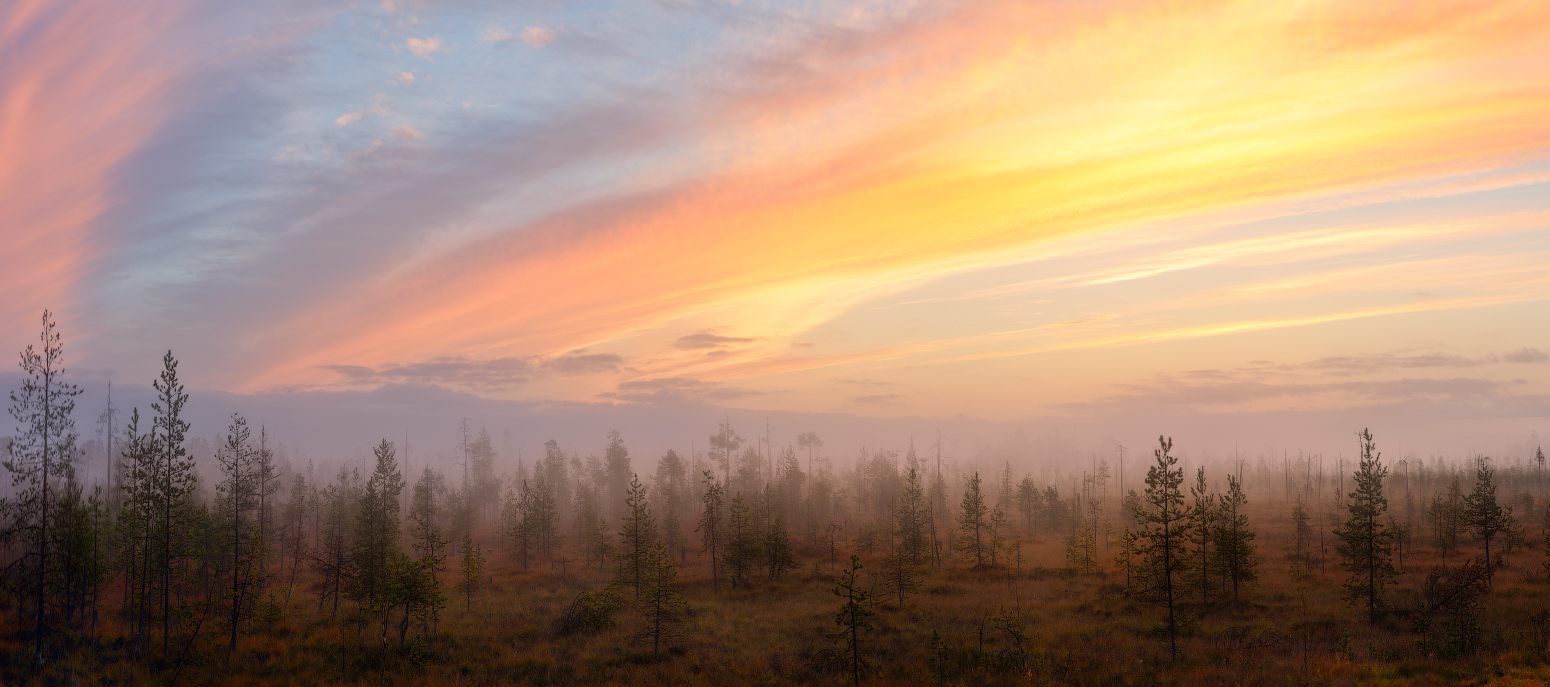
{"x": 580, "y": 363}
{"x": 537, "y": 36}
{"x": 485, "y": 375}
{"x": 500, "y": 374}
{"x": 350, "y": 117}
{"x": 494, "y": 35}
{"x": 407, "y": 133}
{"x": 703, "y": 340}
{"x": 406, "y": 78}
{"x": 863, "y": 382}
{"x": 1526, "y": 355}
{"x": 1368, "y": 364}
{"x": 675, "y": 390}
{"x": 881, "y": 399}
{"x": 424, "y": 47}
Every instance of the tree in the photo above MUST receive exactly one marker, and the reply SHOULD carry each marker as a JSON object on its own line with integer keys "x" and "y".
{"x": 1161, "y": 539}
{"x": 639, "y": 534}
{"x": 710, "y": 525}
{"x": 617, "y": 474}
{"x": 426, "y": 538}
{"x": 1235, "y": 554}
{"x": 333, "y": 558}
{"x": 1302, "y": 533}
{"x": 42, "y": 450}
{"x": 1202, "y": 528}
{"x": 672, "y": 490}
{"x": 236, "y": 459}
{"x": 1028, "y": 502}
{"x": 723, "y": 445}
{"x": 172, "y": 481}
{"x": 995, "y": 530}
{"x": 743, "y": 540}
{"x": 484, "y": 487}
{"x": 1485, "y": 517}
{"x": 662, "y": 599}
{"x": 376, "y": 529}
{"x": 900, "y": 576}
{"x": 469, "y": 574}
{"x": 971, "y": 522}
{"x": 910, "y": 519}
{"x": 519, "y": 506}
{"x": 1366, "y": 542}
{"x": 778, "y": 555}
{"x": 851, "y": 618}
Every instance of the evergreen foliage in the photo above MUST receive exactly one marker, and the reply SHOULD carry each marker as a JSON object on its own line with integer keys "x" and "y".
{"x": 1366, "y": 543}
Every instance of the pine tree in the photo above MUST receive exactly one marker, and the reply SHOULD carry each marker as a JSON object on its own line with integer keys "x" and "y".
{"x": 778, "y": 554}
{"x": 743, "y": 549}
{"x": 1302, "y": 533}
{"x": 1484, "y": 516}
{"x": 333, "y": 558}
{"x": 995, "y": 534}
{"x": 851, "y": 618}
{"x": 910, "y": 519}
{"x": 662, "y": 599}
{"x": 376, "y": 529}
{"x": 971, "y": 522}
{"x": 617, "y": 475}
{"x": 1161, "y": 540}
{"x": 543, "y": 518}
{"x": 1202, "y": 531}
{"x": 1366, "y": 542}
{"x": 1235, "y": 554}
{"x": 39, "y": 455}
{"x": 900, "y": 576}
{"x": 710, "y": 526}
{"x": 236, "y": 459}
{"x": 639, "y": 533}
{"x": 172, "y": 482}
{"x": 1028, "y": 502}
{"x": 471, "y": 571}
{"x": 431, "y": 546}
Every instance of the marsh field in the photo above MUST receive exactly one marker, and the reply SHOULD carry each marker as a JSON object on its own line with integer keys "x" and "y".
{"x": 1050, "y": 601}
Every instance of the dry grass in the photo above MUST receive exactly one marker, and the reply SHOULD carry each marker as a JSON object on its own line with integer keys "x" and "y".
{"x": 1081, "y": 631}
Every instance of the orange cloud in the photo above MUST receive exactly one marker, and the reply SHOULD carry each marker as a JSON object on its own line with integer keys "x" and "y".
{"x": 846, "y": 169}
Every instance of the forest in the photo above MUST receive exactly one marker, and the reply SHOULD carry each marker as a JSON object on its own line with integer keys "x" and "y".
{"x": 749, "y": 563}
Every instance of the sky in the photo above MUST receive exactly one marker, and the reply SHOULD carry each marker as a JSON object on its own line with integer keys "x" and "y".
{"x": 1249, "y": 222}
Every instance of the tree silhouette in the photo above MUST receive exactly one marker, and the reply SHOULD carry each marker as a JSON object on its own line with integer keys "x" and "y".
{"x": 972, "y": 526}
{"x": 1366, "y": 542}
{"x": 851, "y": 618}
{"x": 42, "y": 451}
{"x": 1161, "y": 539}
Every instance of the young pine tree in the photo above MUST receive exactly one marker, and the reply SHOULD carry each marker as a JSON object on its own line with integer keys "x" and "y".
{"x": 711, "y": 525}
{"x": 1366, "y": 542}
{"x": 661, "y": 599}
{"x": 1162, "y": 540}
{"x": 1202, "y": 530}
{"x": 430, "y": 546}
{"x": 1235, "y": 555}
{"x": 778, "y": 554}
{"x": 743, "y": 542}
{"x": 1482, "y": 514}
{"x": 972, "y": 525}
{"x": 851, "y": 619}
{"x": 639, "y": 533}
{"x": 471, "y": 571}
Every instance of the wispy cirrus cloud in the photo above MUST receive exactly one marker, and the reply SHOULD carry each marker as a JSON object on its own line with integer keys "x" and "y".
{"x": 759, "y": 175}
